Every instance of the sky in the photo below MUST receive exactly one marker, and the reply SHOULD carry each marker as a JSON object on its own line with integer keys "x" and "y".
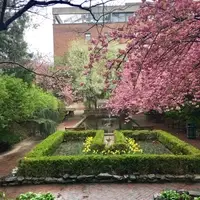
{"x": 39, "y": 35}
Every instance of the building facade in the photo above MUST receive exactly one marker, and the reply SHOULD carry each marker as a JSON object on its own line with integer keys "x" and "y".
{"x": 72, "y": 23}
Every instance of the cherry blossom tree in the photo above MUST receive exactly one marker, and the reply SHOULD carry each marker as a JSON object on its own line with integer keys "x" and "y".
{"x": 160, "y": 68}
{"x": 52, "y": 78}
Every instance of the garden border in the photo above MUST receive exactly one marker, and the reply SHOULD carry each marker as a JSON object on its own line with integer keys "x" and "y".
{"x": 100, "y": 178}
{"x": 58, "y": 166}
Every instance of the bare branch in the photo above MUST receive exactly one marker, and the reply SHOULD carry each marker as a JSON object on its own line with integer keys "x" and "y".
{"x": 3, "y": 10}
{"x": 34, "y": 3}
{"x": 21, "y": 66}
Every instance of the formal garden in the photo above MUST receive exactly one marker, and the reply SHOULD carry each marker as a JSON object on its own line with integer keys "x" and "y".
{"x": 148, "y": 67}
{"x": 77, "y": 153}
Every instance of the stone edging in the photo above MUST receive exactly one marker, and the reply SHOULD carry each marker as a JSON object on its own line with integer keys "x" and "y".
{"x": 100, "y": 178}
{"x": 79, "y": 122}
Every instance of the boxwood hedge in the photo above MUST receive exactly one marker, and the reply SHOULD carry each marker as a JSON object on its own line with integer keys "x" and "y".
{"x": 174, "y": 144}
{"x": 98, "y": 141}
{"x": 39, "y": 163}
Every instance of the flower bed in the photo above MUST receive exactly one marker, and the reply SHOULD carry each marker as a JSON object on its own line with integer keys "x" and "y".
{"x": 186, "y": 159}
{"x": 122, "y": 145}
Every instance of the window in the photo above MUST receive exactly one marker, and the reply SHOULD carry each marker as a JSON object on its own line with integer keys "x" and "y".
{"x": 87, "y": 36}
{"x": 129, "y": 15}
{"x": 115, "y": 17}
{"x": 122, "y": 17}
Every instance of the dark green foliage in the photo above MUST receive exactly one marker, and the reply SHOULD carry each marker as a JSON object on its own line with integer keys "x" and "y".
{"x": 79, "y": 135}
{"x": 12, "y": 44}
{"x": 47, "y": 146}
{"x": 46, "y": 121}
{"x": 10, "y": 138}
{"x": 13, "y": 48}
{"x": 19, "y": 72}
{"x": 98, "y": 141}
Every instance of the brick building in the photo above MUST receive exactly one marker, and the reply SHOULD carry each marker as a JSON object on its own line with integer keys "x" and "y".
{"x": 71, "y": 23}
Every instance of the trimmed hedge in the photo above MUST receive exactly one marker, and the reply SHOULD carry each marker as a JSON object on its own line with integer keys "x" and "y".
{"x": 47, "y": 146}
{"x": 56, "y": 166}
{"x": 119, "y": 137}
{"x": 79, "y": 135}
{"x": 98, "y": 141}
{"x": 140, "y": 134}
{"x": 120, "y": 142}
{"x": 174, "y": 144}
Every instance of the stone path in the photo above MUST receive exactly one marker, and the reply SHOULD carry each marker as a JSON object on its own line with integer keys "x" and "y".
{"x": 9, "y": 160}
{"x": 100, "y": 191}
{"x": 72, "y": 121}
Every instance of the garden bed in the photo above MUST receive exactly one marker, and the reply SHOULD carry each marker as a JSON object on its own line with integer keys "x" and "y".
{"x": 69, "y": 148}
{"x": 153, "y": 147}
{"x": 184, "y": 160}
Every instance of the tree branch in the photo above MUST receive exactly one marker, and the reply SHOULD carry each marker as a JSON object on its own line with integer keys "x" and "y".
{"x": 21, "y": 66}
{"x": 3, "y": 10}
{"x": 32, "y": 3}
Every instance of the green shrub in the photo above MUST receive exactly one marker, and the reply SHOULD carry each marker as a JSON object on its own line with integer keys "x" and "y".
{"x": 61, "y": 110}
{"x": 10, "y": 138}
{"x": 38, "y": 160}
{"x": 176, "y": 145}
{"x": 47, "y": 146}
{"x": 140, "y": 134}
{"x": 98, "y": 141}
{"x": 120, "y": 142}
{"x": 95, "y": 164}
{"x": 119, "y": 137}
{"x": 174, "y": 195}
{"x": 78, "y": 135}
{"x": 35, "y": 196}
{"x": 19, "y": 101}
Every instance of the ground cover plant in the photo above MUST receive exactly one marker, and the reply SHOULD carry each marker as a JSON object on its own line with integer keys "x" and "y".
{"x": 30, "y": 196}
{"x": 184, "y": 160}
{"x": 69, "y": 148}
{"x": 153, "y": 147}
{"x": 175, "y": 195}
